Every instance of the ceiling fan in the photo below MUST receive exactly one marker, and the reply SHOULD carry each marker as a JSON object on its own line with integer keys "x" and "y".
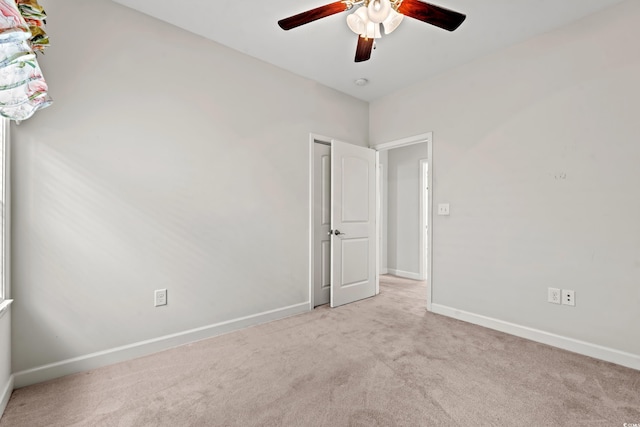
{"x": 366, "y": 20}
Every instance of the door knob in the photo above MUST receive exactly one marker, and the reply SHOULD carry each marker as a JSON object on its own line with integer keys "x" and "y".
{"x": 336, "y": 232}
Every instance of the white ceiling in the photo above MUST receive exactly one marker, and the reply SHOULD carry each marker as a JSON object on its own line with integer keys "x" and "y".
{"x": 324, "y": 50}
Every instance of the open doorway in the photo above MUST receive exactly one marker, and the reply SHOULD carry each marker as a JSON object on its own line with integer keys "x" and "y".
{"x": 405, "y": 209}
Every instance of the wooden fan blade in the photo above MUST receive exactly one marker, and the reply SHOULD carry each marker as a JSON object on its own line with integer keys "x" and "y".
{"x": 432, "y": 14}
{"x": 363, "y": 51}
{"x": 313, "y": 14}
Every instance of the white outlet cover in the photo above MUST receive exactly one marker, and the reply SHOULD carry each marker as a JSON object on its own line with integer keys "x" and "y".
{"x": 160, "y": 297}
{"x": 568, "y": 297}
{"x": 553, "y": 296}
{"x": 443, "y": 208}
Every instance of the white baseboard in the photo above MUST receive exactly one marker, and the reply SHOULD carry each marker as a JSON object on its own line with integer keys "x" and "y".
{"x": 6, "y": 395}
{"x": 404, "y": 274}
{"x": 144, "y": 348}
{"x": 581, "y": 347}
{"x": 384, "y": 270}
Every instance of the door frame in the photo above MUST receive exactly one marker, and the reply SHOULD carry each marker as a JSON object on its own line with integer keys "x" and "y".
{"x": 424, "y": 212}
{"x": 417, "y": 139}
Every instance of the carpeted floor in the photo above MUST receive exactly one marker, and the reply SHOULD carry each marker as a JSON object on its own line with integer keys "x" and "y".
{"x": 384, "y": 361}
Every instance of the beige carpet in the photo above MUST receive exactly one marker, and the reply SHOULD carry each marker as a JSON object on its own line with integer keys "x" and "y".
{"x": 384, "y": 361}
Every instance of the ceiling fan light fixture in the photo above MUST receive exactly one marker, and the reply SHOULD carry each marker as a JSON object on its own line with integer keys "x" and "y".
{"x": 373, "y": 31}
{"x": 392, "y": 22}
{"x": 358, "y": 21}
{"x": 366, "y": 19}
{"x": 360, "y": 24}
{"x": 378, "y": 10}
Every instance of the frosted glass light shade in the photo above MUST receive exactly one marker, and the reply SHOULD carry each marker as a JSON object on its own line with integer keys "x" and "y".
{"x": 378, "y": 10}
{"x": 392, "y": 22}
{"x": 373, "y": 31}
{"x": 358, "y": 21}
{"x": 360, "y": 24}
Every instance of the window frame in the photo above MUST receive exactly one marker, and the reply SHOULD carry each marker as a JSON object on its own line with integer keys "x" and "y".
{"x": 5, "y": 213}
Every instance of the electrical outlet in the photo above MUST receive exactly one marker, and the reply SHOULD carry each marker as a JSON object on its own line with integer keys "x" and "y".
{"x": 160, "y": 297}
{"x": 443, "y": 209}
{"x": 553, "y": 295}
{"x": 568, "y": 297}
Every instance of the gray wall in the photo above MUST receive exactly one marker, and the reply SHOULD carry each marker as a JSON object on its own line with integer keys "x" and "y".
{"x": 167, "y": 161}
{"x": 403, "y": 234}
{"x": 536, "y": 149}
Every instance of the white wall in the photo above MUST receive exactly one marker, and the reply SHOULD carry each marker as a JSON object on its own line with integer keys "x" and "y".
{"x": 167, "y": 161}
{"x": 403, "y": 235}
{"x": 536, "y": 149}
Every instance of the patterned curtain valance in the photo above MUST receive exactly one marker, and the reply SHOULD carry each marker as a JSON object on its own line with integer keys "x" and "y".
{"x": 23, "y": 90}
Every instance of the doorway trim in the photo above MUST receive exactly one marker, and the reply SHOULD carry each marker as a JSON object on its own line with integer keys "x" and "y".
{"x": 411, "y": 140}
{"x": 424, "y": 215}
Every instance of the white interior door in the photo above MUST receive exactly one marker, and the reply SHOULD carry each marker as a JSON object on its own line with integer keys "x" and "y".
{"x": 353, "y": 233}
